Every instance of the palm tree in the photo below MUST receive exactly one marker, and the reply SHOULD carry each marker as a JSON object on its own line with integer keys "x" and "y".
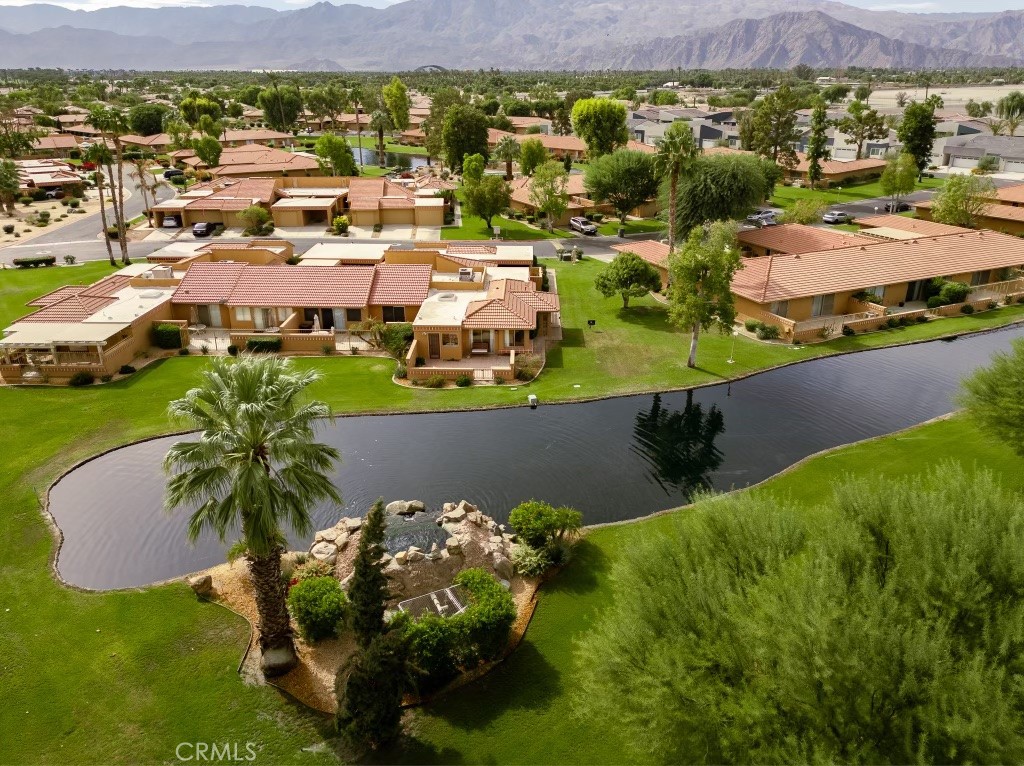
{"x": 356, "y": 97}
{"x": 1011, "y": 110}
{"x": 146, "y": 181}
{"x": 507, "y": 151}
{"x": 256, "y": 468}
{"x": 113, "y": 122}
{"x": 675, "y": 151}
{"x": 99, "y": 155}
{"x": 380, "y": 123}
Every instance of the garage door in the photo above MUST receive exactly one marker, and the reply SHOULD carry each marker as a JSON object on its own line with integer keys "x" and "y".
{"x": 964, "y": 162}
{"x": 1014, "y": 166}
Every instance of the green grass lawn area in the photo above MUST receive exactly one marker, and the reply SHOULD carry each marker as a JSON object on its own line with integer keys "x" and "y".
{"x": 474, "y": 228}
{"x": 370, "y": 142}
{"x": 522, "y": 711}
{"x": 785, "y": 196}
{"x": 610, "y": 227}
{"x": 123, "y": 677}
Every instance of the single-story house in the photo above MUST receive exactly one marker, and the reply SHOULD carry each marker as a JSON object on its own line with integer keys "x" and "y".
{"x": 160, "y": 143}
{"x": 579, "y": 202}
{"x": 808, "y": 294}
{"x": 54, "y": 145}
{"x": 1008, "y": 219}
{"x": 522, "y": 125}
{"x": 837, "y": 172}
{"x": 253, "y": 160}
{"x": 793, "y": 238}
{"x": 47, "y": 174}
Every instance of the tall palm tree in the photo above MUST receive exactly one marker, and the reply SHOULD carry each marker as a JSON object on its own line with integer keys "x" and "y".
{"x": 99, "y": 155}
{"x": 113, "y": 123}
{"x": 380, "y": 123}
{"x": 675, "y": 152}
{"x": 255, "y": 467}
{"x": 507, "y": 151}
{"x": 356, "y": 97}
{"x": 1010, "y": 109}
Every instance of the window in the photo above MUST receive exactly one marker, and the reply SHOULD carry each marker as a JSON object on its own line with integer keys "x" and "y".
{"x": 515, "y": 338}
{"x": 979, "y": 278}
{"x": 242, "y": 314}
{"x": 353, "y": 315}
{"x": 823, "y": 304}
{"x": 449, "y": 339}
{"x": 283, "y": 314}
{"x": 393, "y": 313}
{"x": 779, "y": 308}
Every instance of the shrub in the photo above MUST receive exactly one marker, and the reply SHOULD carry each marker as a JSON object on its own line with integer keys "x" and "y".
{"x": 751, "y": 325}
{"x": 32, "y": 261}
{"x": 340, "y": 224}
{"x": 499, "y": 380}
{"x": 293, "y": 260}
{"x": 421, "y": 362}
{"x": 464, "y": 380}
{"x": 434, "y": 643}
{"x": 921, "y": 319}
{"x": 38, "y": 195}
{"x": 218, "y": 230}
{"x": 530, "y": 561}
{"x": 106, "y": 378}
{"x": 992, "y": 305}
{"x": 126, "y": 369}
{"x": 112, "y": 232}
{"x": 768, "y": 332}
{"x": 268, "y": 228}
{"x": 401, "y": 372}
{"x": 179, "y": 180}
{"x": 232, "y": 350}
{"x": 8, "y": 228}
{"x": 848, "y": 330}
{"x": 80, "y": 379}
{"x": 166, "y": 336}
{"x": 934, "y": 302}
{"x": 434, "y": 381}
{"x": 967, "y": 308}
{"x": 892, "y": 323}
{"x": 65, "y": 202}
{"x": 43, "y": 215}
{"x": 183, "y": 352}
{"x": 318, "y": 606}
{"x": 255, "y": 218}
{"x": 378, "y": 228}
{"x": 70, "y": 259}
{"x": 327, "y": 349}
{"x": 74, "y": 204}
{"x": 488, "y": 619}
{"x": 311, "y": 568}
{"x": 26, "y": 200}
{"x": 954, "y": 292}
{"x": 263, "y": 345}
{"x": 540, "y": 525}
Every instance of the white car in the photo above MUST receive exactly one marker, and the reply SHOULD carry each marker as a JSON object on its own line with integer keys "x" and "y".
{"x": 582, "y": 225}
{"x": 836, "y": 216}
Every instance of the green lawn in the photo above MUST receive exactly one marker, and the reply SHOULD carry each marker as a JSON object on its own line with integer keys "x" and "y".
{"x": 610, "y": 227}
{"x": 124, "y": 677}
{"x": 522, "y": 712}
{"x": 473, "y": 227}
{"x": 785, "y": 196}
{"x": 370, "y": 142}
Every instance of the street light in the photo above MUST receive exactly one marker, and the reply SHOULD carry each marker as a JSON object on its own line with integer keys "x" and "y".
{"x": 732, "y": 352}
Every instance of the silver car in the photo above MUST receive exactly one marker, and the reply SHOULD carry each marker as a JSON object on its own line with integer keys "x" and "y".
{"x": 582, "y": 225}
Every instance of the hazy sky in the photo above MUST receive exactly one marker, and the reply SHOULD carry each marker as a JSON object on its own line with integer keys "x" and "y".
{"x": 910, "y": 6}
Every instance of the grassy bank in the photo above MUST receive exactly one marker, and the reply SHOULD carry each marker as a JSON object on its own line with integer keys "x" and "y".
{"x": 522, "y": 712}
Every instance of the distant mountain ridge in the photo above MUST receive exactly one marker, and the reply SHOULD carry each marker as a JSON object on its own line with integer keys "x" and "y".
{"x": 510, "y": 34}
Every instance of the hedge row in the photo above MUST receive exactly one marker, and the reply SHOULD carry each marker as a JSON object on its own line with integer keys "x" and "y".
{"x": 31, "y": 262}
{"x": 263, "y": 345}
{"x": 166, "y": 336}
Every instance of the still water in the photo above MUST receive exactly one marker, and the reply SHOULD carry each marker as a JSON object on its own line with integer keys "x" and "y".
{"x": 613, "y": 459}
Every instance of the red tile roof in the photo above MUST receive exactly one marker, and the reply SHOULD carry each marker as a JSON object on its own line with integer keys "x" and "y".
{"x": 798, "y": 238}
{"x": 400, "y": 285}
{"x": 74, "y": 308}
{"x": 208, "y": 283}
{"x": 511, "y": 304}
{"x": 241, "y": 284}
{"x": 57, "y": 295}
{"x": 914, "y": 225}
{"x": 651, "y": 251}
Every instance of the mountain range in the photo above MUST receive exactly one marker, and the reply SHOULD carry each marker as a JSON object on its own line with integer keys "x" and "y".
{"x": 508, "y": 34}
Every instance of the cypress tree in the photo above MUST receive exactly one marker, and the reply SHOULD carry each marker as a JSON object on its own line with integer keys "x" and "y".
{"x": 368, "y": 591}
{"x": 370, "y": 692}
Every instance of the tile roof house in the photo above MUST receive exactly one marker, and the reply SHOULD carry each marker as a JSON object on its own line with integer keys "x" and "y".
{"x": 1005, "y": 218}
{"x": 795, "y": 238}
{"x": 559, "y": 146}
{"x": 161, "y": 142}
{"x": 254, "y": 160}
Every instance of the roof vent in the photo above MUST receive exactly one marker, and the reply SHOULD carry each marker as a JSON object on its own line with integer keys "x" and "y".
{"x": 447, "y": 297}
{"x": 151, "y": 294}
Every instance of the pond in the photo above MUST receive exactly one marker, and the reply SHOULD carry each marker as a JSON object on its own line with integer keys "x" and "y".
{"x": 391, "y": 159}
{"x": 613, "y": 459}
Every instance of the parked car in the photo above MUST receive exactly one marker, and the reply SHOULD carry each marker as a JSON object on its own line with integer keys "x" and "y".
{"x": 55, "y": 194}
{"x": 836, "y": 216}
{"x": 171, "y": 222}
{"x": 758, "y": 217}
{"x": 202, "y": 229}
{"x": 899, "y": 207}
{"x": 172, "y": 172}
{"x": 582, "y": 225}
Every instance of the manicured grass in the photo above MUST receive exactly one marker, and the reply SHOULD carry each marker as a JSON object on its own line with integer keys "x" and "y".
{"x": 161, "y": 668}
{"x": 785, "y": 196}
{"x": 473, "y": 227}
{"x": 374, "y": 171}
{"x": 522, "y": 712}
{"x": 610, "y": 227}
{"x": 370, "y": 142}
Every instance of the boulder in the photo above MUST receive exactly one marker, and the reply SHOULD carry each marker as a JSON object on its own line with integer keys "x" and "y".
{"x": 453, "y": 546}
{"x": 328, "y": 535}
{"x": 386, "y": 559}
{"x": 450, "y": 527}
{"x": 341, "y": 540}
{"x": 399, "y": 508}
{"x": 476, "y": 517}
{"x": 324, "y": 551}
{"x": 353, "y": 525}
{"x": 497, "y": 539}
{"x": 202, "y": 585}
{"x": 401, "y": 558}
{"x": 414, "y": 555}
{"x": 435, "y": 553}
{"x": 448, "y": 507}
{"x": 417, "y": 506}
{"x": 502, "y": 567}
{"x": 467, "y": 507}
{"x": 345, "y": 583}
{"x": 455, "y": 516}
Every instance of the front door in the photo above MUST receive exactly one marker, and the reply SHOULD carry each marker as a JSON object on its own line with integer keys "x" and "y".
{"x": 434, "y": 345}
{"x": 913, "y": 291}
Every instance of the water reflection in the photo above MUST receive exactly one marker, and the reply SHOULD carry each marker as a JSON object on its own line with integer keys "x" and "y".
{"x": 678, "y": 446}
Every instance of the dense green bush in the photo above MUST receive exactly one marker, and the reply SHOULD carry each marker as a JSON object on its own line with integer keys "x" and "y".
{"x": 8, "y": 228}
{"x": 751, "y": 325}
{"x": 263, "y": 345}
{"x": 848, "y": 330}
{"x": 183, "y": 351}
{"x": 340, "y": 224}
{"x": 934, "y": 302}
{"x": 166, "y": 336}
{"x": 25, "y": 200}
{"x": 464, "y": 380}
{"x": 126, "y": 369}
{"x": 434, "y": 381}
{"x": 954, "y": 292}
{"x": 74, "y": 204}
{"x": 967, "y": 308}
{"x": 318, "y": 605}
{"x": 530, "y": 561}
{"x": 232, "y": 350}
{"x": 82, "y": 379}
{"x": 32, "y": 261}
{"x": 541, "y": 525}
{"x": 768, "y": 332}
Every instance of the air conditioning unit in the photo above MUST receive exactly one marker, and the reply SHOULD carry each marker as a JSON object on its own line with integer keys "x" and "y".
{"x": 161, "y": 272}
{"x": 465, "y": 274}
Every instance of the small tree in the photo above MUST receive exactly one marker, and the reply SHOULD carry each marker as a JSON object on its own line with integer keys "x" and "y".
{"x": 207, "y": 149}
{"x": 817, "y": 144}
{"x": 541, "y": 525}
{"x": 862, "y": 123}
{"x": 473, "y": 166}
{"x": 601, "y": 123}
{"x": 507, "y": 151}
{"x": 532, "y": 155}
{"x": 774, "y": 127}
{"x": 368, "y": 591}
{"x": 916, "y": 132}
{"x": 702, "y": 272}
{"x": 463, "y": 132}
{"x": 335, "y": 155}
{"x": 962, "y": 200}
{"x": 488, "y": 198}
{"x": 396, "y": 99}
{"x": 9, "y": 185}
{"x": 370, "y": 691}
{"x": 994, "y": 397}
{"x": 629, "y": 276}
{"x": 547, "y": 191}
{"x": 255, "y": 218}
{"x": 899, "y": 177}
{"x": 624, "y": 178}
{"x": 805, "y": 211}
